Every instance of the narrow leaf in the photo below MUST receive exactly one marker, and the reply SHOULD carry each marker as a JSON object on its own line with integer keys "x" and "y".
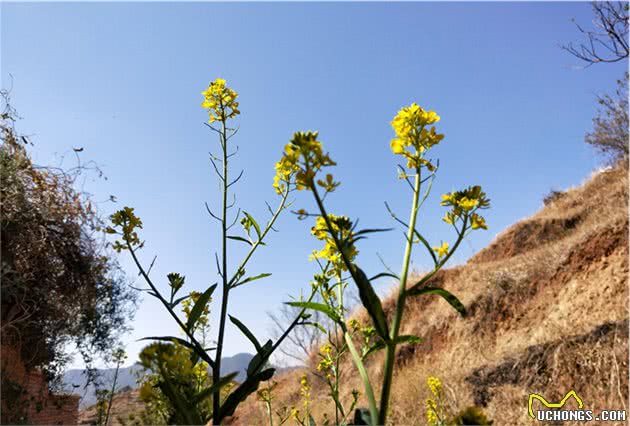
{"x": 384, "y": 274}
{"x": 362, "y": 417}
{"x": 316, "y": 325}
{"x": 178, "y": 301}
{"x": 369, "y": 231}
{"x": 249, "y": 279}
{"x": 197, "y": 310}
{"x": 237, "y": 238}
{"x": 253, "y": 221}
{"x": 320, "y": 307}
{"x": 249, "y": 386}
{"x": 446, "y": 295}
{"x": 247, "y": 333}
{"x": 258, "y": 361}
{"x": 225, "y": 380}
{"x": 374, "y": 348}
{"x": 372, "y": 303}
{"x": 412, "y": 340}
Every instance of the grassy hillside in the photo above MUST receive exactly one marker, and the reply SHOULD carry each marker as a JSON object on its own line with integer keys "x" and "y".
{"x": 548, "y": 312}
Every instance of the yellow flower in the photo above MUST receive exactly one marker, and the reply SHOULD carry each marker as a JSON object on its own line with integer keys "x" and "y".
{"x": 324, "y": 365}
{"x": 326, "y": 349}
{"x": 303, "y": 157}
{"x": 449, "y": 218}
{"x": 435, "y": 385}
{"x": 431, "y": 412}
{"x": 409, "y": 126}
{"x": 398, "y": 147}
{"x": 467, "y": 204}
{"x": 478, "y": 222}
{"x": 342, "y": 229}
{"x": 220, "y": 101}
{"x": 442, "y": 250}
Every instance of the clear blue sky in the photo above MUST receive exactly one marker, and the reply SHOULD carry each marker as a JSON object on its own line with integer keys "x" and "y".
{"x": 124, "y": 82}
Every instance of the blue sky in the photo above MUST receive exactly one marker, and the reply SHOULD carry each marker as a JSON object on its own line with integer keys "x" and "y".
{"x": 124, "y": 82}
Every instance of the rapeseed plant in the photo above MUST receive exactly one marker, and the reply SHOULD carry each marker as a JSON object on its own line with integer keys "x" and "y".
{"x": 221, "y": 103}
{"x": 302, "y": 160}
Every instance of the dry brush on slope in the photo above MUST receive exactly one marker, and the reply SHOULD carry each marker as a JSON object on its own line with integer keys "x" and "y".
{"x": 548, "y": 312}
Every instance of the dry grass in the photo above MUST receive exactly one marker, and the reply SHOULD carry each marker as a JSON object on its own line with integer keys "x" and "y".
{"x": 548, "y": 312}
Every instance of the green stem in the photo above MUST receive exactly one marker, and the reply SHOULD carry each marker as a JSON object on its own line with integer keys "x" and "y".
{"x": 400, "y": 305}
{"x": 199, "y": 348}
{"x": 273, "y": 219}
{"x": 355, "y": 355}
{"x": 369, "y": 392}
{"x": 216, "y": 372}
{"x": 342, "y": 316}
{"x": 111, "y": 394}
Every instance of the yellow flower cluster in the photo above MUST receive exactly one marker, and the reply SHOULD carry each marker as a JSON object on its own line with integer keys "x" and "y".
{"x": 303, "y": 157}
{"x": 220, "y": 101}
{"x": 342, "y": 229}
{"x": 266, "y": 394}
{"x": 326, "y": 349}
{"x": 326, "y": 363}
{"x": 434, "y": 411}
{"x": 410, "y": 127}
{"x": 127, "y": 221}
{"x": 432, "y": 417}
{"x": 305, "y": 391}
{"x": 435, "y": 385}
{"x": 465, "y": 204}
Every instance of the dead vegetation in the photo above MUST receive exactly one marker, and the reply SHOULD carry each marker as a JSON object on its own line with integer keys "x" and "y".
{"x": 548, "y": 312}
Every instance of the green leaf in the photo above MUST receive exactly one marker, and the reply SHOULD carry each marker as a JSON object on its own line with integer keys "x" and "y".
{"x": 362, "y": 417}
{"x": 258, "y": 361}
{"x": 247, "y": 333}
{"x": 446, "y": 295}
{"x": 316, "y": 325}
{"x": 371, "y": 302}
{"x": 249, "y": 386}
{"x": 253, "y": 222}
{"x": 249, "y": 279}
{"x": 237, "y": 238}
{"x": 374, "y": 348}
{"x": 369, "y": 231}
{"x": 197, "y": 310}
{"x": 412, "y": 340}
{"x": 225, "y": 380}
{"x": 183, "y": 342}
{"x": 178, "y": 301}
{"x": 384, "y": 274}
{"x": 316, "y": 307}
{"x": 311, "y": 421}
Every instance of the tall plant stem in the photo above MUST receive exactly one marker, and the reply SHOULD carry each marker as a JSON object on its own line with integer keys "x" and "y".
{"x": 111, "y": 394}
{"x": 400, "y": 304}
{"x": 353, "y": 351}
{"x": 216, "y": 371}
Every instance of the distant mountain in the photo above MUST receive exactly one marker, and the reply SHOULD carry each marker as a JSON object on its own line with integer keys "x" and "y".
{"x": 236, "y": 363}
{"x": 74, "y": 380}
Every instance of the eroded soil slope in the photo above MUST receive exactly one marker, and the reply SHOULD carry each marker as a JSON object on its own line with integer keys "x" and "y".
{"x": 548, "y": 313}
